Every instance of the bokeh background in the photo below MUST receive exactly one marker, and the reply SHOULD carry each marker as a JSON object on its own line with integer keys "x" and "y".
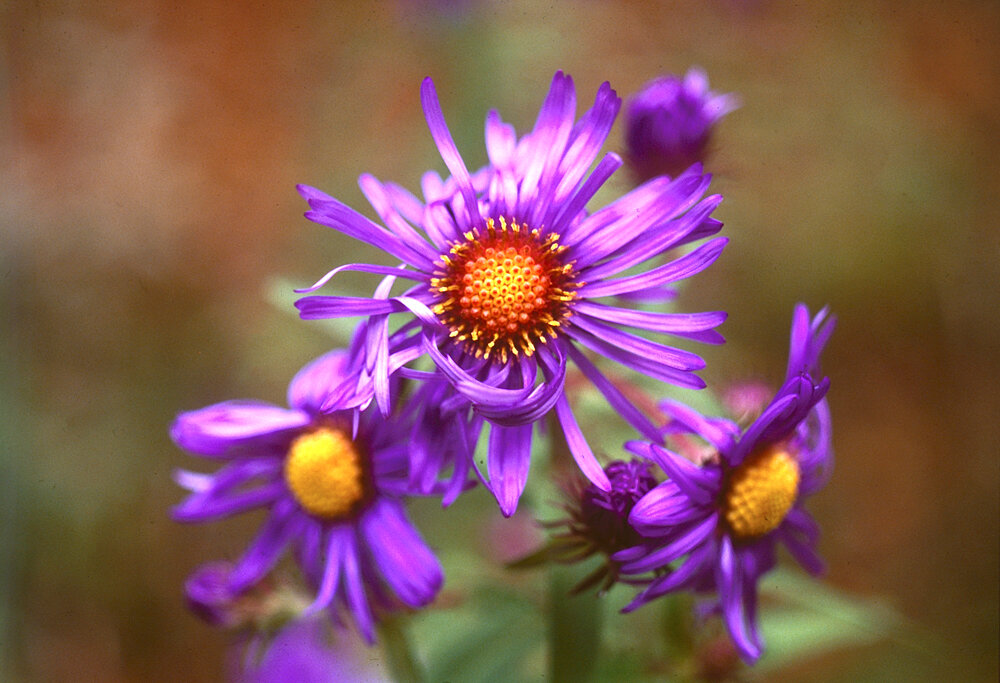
{"x": 149, "y": 155}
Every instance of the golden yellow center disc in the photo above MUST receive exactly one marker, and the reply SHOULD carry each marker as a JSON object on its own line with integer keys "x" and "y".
{"x": 760, "y": 492}
{"x": 325, "y": 472}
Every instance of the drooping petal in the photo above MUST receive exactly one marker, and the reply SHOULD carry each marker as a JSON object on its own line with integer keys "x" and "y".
{"x": 509, "y": 459}
{"x": 402, "y": 556}
{"x": 578, "y": 447}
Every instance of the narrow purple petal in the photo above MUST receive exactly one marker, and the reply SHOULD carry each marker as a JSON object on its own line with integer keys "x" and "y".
{"x": 718, "y": 432}
{"x": 578, "y": 446}
{"x": 380, "y": 200}
{"x": 690, "y": 264}
{"x": 639, "y": 363}
{"x": 449, "y": 152}
{"x": 615, "y": 397}
{"x": 320, "y": 307}
{"x": 266, "y": 548}
{"x": 334, "y": 214}
{"x": 653, "y": 351}
{"x": 683, "y": 544}
{"x": 508, "y": 462}
{"x": 331, "y": 572}
{"x": 696, "y": 326}
{"x": 356, "y": 599}
{"x": 662, "y": 510}
{"x": 571, "y": 208}
{"x": 365, "y": 268}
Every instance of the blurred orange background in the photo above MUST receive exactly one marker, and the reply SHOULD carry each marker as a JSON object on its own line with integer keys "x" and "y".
{"x": 150, "y": 153}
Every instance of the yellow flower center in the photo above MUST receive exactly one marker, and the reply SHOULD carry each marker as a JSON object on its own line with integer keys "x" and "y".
{"x": 325, "y": 471}
{"x": 504, "y": 290}
{"x": 760, "y": 492}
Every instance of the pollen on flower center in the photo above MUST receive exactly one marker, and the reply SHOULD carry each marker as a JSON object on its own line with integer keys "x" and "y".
{"x": 325, "y": 471}
{"x": 504, "y": 289}
{"x": 760, "y": 492}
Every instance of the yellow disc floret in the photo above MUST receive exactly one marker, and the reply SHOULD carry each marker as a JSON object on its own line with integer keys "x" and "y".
{"x": 760, "y": 492}
{"x": 504, "y": 289}
{"x": 325, "y": 471}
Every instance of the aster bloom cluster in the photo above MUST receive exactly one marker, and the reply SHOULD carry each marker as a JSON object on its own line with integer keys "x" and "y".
{"x": 513, "y": 283}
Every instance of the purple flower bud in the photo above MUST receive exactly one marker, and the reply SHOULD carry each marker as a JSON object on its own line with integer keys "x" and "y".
{"x": 668, "y": 123}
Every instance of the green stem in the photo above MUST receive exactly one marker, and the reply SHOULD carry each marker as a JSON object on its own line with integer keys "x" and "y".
{"x": 403, "y": 666}
{"x": 574, "y": 628}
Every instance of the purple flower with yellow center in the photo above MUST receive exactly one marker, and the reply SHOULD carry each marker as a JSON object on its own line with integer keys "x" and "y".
{"x": 669, "y": 122}
{"x": 722, "y": 522}
{"x": 514, "y": 277}
{"x": 332, "y": 478}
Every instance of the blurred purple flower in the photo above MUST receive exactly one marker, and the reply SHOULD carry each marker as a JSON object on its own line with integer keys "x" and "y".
{"x": 668, "y": 123}
{"x": 304, "y": 652}
{"x": 332, "y": 477}
{"x": 723, "y": 521}
{"x": 508, "y": 266}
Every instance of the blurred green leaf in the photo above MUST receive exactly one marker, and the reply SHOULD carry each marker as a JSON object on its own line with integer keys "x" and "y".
{"x": 816, "y": 619}
{"x": 488, "y": 638}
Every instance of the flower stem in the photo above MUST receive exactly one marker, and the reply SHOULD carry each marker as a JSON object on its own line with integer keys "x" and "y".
{"x": 403, "y": 665}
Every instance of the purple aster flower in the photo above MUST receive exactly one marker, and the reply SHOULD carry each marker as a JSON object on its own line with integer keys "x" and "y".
{"x": 332, "y": 478}
{"x": 668, "y": 123}
{"x": 512, "y": 278}
{"x": 722, "y": 522}
{"x": 597, "y": 522}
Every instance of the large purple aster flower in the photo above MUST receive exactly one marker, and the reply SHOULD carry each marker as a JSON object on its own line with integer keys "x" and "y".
{"x": 668, "y": 123}
{"x": 513, "y": 275}
{"x": 728, "y": 516}
{"x": 332, "y": 477}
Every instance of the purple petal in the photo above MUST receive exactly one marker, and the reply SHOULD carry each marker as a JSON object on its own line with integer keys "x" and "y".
{"x": 720, "y": 433}
{"x": 683, "y": 544}
{"x": 337, "y": 215}
{"x": 697, "y": 326}
{"x": 508, "y": 461}
{"x": 218, "y": 428}
{"x": 266, "y": 548}
{"x": 449, "y": 152}
{"x": 662, "y": 510}
{"x": 683, "y": 267}
{"x": 639, "y": 363}
{"x": 313, "y": 384}
{"x": 653, "y": 351}
{"x": 615, "y": 397}
{"x": 578, "y": 446}
{"x": 319, "y": 307}
{"x": 380, "y": 200}
{"x": 402, "y": 556}
{"x": 331, "y": 572}
{"x": 356, "y": 599}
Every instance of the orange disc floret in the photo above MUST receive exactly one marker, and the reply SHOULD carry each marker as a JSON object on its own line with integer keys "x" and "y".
{"x": 504, "y": 289}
